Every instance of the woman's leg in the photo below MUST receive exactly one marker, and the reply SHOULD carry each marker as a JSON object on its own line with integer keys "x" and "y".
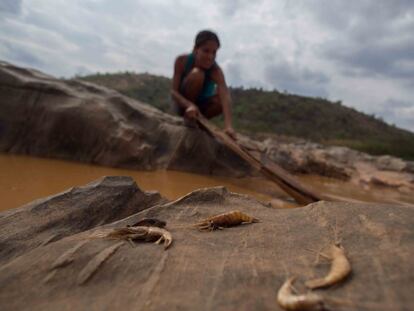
{"x": 193, "y": 84}
{"x": 213, "y": 108}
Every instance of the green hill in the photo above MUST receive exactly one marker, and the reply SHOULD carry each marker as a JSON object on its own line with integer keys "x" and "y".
{"x": 258, "y": 111}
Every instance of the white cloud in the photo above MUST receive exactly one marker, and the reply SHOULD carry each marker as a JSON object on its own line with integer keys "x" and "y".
{"x": 10, "y": 6}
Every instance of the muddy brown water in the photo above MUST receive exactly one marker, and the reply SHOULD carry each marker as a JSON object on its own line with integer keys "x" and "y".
{"x": 24, "y": 179}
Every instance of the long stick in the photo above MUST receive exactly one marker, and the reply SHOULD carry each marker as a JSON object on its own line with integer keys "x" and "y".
{"x": 283, "y": 179}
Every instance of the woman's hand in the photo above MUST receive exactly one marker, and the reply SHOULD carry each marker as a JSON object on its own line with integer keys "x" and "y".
{"x": 230, "y": 132}
{"x": 192, "y": 112}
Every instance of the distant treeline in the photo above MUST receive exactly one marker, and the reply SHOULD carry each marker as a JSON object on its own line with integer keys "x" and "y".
{"x": 257, "y": 111}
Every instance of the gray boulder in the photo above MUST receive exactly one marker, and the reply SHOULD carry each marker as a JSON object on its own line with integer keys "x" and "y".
{"x": 44, "y": 116}
{"x": 78, "y": 209}
{"x": 304, "y": 157}
{"x": 239, "y": 268}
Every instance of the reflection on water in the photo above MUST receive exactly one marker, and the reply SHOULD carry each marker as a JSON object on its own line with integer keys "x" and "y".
{"x": 24, "y": 179}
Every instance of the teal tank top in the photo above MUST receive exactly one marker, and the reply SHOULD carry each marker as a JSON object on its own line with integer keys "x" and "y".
{"x": 209, "y": 86}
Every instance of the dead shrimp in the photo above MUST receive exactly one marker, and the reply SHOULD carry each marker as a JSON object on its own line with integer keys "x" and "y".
{"x": 289, "y": 301}
{"x": 228, "y": 219}
{"x": 142, "y": 233}
{"x": 340, "y": 269}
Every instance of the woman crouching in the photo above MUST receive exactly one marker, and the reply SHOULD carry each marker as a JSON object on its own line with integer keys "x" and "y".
{"x": 199, "y": 85}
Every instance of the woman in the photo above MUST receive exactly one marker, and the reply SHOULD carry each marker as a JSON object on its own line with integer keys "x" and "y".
{"x": 199, "y": 85}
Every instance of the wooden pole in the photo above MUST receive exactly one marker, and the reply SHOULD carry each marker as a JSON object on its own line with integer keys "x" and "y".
{"x": 272, "y": 171}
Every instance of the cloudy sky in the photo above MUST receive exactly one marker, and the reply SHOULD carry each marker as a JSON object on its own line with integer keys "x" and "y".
{"x": 358, "y": 51}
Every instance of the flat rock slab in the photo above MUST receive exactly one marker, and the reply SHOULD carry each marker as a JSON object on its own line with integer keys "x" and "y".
{"x": 78, "y": 209}
{"x": 239, "y": 268}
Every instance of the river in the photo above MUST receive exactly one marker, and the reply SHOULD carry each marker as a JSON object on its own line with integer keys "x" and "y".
{"x": 25, "y": 178}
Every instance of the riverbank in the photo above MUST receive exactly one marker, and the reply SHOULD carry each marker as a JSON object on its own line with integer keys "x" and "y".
{"x": 79, "y": 121}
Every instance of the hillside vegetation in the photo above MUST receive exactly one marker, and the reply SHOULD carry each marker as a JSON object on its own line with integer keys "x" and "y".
{"x": 257, "y": 111}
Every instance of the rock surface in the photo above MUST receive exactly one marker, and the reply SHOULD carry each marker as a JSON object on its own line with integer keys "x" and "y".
{"x": 239, "y": 268}
{"x": 44, "y": 116}
{"x": 75, "y": 210}
{"x": 343, "y": 163}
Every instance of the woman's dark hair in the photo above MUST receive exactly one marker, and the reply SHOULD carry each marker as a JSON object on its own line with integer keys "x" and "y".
{"x": 204, "y": 36}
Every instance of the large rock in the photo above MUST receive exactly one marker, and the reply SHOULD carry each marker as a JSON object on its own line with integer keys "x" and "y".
{"x": 304, "y": 157}
{"x": 75, "y": 210}
{"x": 44, "y": 116}
{"x": 239, "y": 268}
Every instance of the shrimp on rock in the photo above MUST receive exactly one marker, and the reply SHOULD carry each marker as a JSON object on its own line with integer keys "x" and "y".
{"x": 289, "y": 301}
{"x": 340, "y": 269}
{"x": 228, "y": 219}
{"x": 142, "y": 233}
